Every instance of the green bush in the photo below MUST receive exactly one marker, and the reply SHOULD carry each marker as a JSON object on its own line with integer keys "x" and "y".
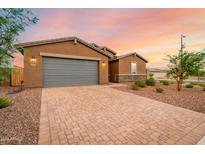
{"x": 151, "y": 82}
{"x": 159, "y": 89}
{"x": 140, "y": 84}
{"x": 172, "y": 82}
{"x": 151, "y": 75}
{"x": 4, "y": 102}
{"x": 201, "y": 84}
{"x": 189, "y": 85}
{"x": 164, "y": 82}
{"x": 194, "y": 83}
{"x": 135, "y": 87}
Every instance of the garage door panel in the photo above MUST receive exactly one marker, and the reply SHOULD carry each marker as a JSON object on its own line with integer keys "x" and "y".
{"x": 71, "y": 68}
{"x": 61, "y": 61}
{"x": 77, "y": 65}
{"x": 71, "y": 82}
{"x": 69, "y": 77}
{"x": 69, "y": 72}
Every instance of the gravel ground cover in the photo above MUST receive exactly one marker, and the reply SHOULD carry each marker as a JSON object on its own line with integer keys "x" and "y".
{"x": 189, "y": 98}
{"x": 19, "y": 123}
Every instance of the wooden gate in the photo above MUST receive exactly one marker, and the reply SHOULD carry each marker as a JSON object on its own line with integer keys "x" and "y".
{"x": 16, "y": 76}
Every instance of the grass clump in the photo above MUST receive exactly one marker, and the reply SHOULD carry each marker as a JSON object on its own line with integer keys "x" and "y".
{"x": 164, "y": 82}
{"x": 189, "y": 85}
{"x": 4, "y": 102}
{"x": 140, "y": 84}
{"x": 159, "y": 89}
{"x": 135, "y": 87}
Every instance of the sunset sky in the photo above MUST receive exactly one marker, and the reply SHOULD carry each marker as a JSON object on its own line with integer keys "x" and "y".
{"x": 153, "y": 33}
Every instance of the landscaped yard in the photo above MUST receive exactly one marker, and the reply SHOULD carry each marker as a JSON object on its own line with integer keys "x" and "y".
{"x": 99, "y": 115}
{"x": 190, "y": 98}
{"x": 19, "y": 122}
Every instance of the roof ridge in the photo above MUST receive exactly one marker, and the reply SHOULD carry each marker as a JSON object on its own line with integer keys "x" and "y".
{"x": 126, "y": 55}
{"x": 56, "y": 40}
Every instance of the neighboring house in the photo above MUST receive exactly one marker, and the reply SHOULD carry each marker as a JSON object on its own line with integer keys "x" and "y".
{"x": 158, "y": 73}
{"x": 127, "y": 67}
{"x": 72, "y": 61}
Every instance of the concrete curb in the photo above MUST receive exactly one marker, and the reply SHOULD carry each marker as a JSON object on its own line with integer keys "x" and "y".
{"x": 202, "y": 141}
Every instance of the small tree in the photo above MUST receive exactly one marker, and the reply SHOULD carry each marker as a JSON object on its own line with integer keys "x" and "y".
{"x": 199, "y": 73}
{"x": 12, "y": 22}
{"x": 184, "y": 64}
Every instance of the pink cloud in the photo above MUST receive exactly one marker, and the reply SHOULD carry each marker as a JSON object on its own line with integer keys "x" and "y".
{"x": 123, "y": 30}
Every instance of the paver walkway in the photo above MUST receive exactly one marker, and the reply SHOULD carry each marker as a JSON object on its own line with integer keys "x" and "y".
{"x": 103, "y": 115}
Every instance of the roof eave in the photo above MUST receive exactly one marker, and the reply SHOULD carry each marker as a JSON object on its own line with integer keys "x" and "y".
{"x": 127, "y": 55}
{"x": 36, "y": 43}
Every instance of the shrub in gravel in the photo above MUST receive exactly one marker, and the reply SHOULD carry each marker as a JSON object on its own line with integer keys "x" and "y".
{"x": 135, "y": 87}
{"x": 159, "y": 89}
{"x": 189, "y": 85}
{"x": 4, "y": 102}
{"x": 194, "y": 83}
{"x": 172, "y": 82}
{"x": 201, "y": 84}
{"x": 164, "y": 82}
{"x": 140, "y": 84}
{"x": 151, "y": 81}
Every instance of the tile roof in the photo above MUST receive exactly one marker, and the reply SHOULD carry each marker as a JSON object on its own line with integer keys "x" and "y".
{"x": 127, "y": 55}
{"x": 49, "y": 41}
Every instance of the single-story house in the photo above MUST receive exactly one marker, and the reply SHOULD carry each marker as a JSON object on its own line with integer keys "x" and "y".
{"x": 71, "y": 61}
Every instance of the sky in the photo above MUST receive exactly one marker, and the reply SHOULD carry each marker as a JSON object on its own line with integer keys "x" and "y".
{"x": 152, "y": 33}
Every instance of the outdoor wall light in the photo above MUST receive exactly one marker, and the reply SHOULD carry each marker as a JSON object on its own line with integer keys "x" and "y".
{"x": 103, "y": 64}
{"x": 33, "y": 61}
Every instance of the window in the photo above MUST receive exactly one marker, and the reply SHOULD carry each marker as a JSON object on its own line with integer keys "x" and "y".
{"x": 133, "y": 68}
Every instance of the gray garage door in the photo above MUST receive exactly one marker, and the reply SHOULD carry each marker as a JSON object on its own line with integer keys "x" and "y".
{"x": 60, "y": 72}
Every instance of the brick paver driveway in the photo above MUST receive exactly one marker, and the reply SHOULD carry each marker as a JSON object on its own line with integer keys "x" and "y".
{"x": 102, "y": 115}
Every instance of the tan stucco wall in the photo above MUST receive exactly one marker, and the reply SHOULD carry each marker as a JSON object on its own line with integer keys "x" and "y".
{"x": 33, "y": 75}
{"x": 125, "y": 65}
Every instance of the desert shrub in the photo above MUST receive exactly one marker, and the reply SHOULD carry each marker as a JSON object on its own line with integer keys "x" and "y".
{"x": 164, "y": 82}
{"x": 189, "y": 85}
{"x": 140, "y": 84}
{"x": 151, "y": 75}
{"x": 135, "y": 87}
{"x": 201, "y": 84}
{"x": 194, "y": 83}
{"x": 159, "y": 89}
{"x": 150, "y": 81}
{"x": 4, "y": 102}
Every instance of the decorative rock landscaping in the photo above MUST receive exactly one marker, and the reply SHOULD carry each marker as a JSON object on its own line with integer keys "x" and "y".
{"x": 189, "y": 98}
{"x": 19, "y": 122}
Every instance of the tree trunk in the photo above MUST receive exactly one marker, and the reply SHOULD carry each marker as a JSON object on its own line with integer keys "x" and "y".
{"x": 179, "y": 85}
